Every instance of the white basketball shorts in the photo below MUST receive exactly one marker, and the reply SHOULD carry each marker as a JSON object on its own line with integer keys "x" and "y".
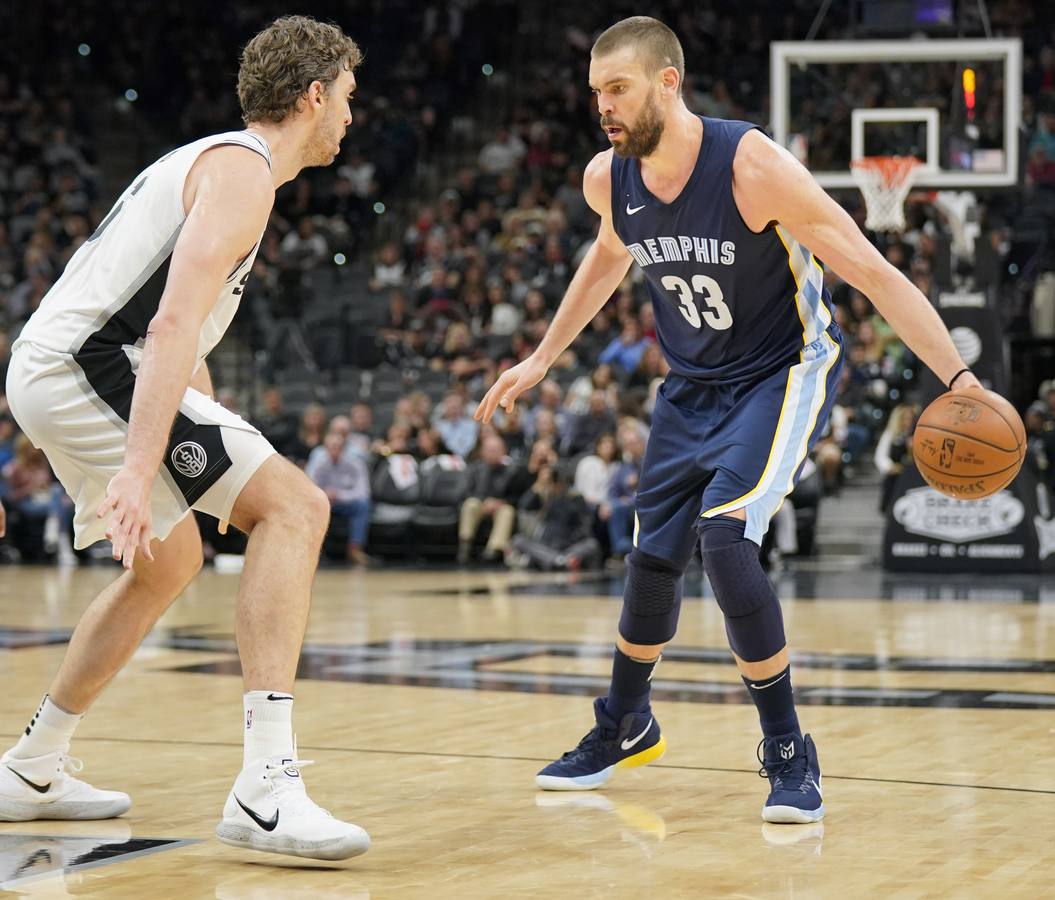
{"x": 210, "y": 456}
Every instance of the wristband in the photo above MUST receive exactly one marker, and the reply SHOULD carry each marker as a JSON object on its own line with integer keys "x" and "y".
{"x": 952, "y": 380}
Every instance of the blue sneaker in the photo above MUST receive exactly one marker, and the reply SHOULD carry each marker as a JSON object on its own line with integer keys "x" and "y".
{"x": 635, "y": 741}
{"x": 790, "y": 763}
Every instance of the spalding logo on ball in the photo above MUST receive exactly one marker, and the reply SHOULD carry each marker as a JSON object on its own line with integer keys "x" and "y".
{"x": 970, "y": 444}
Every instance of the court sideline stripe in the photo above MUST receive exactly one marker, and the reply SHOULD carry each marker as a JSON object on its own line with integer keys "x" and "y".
{"x": 536, "y": 759}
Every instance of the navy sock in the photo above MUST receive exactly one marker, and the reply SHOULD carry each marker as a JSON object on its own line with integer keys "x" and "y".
{"x": 775, "y": 703}
{"x": 630, "y": 688}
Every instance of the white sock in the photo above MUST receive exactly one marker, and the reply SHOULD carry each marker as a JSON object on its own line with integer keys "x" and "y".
{"x": 48, "y": 731}
{"x": 268, "y": 725}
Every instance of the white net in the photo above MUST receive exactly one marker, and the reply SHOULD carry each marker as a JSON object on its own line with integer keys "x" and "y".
{"x": 885, "y": 182}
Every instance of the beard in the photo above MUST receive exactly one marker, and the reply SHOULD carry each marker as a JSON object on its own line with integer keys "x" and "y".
{"x": 324, "y": 146}
{"x": 644, "y": 138}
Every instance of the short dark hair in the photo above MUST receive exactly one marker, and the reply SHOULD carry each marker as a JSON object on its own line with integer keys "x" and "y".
{"x": 653, "y": 41}
{"x": 281, "y": 62}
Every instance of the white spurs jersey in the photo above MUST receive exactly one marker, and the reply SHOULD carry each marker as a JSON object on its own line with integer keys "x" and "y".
{"x": 112, "y": 286}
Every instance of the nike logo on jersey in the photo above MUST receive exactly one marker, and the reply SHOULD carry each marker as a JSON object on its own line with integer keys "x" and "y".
{"x": 40, "y": 789}
{"x": 266, "y": 824}
{"x": 636, "y": 209}
{"x": 628, "y": 743}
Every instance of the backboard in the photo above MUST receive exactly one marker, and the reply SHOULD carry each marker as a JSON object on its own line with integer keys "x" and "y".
{"x": 954, "y": 104}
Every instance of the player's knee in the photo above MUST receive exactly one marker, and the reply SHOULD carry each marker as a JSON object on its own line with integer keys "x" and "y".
{"x": 190, "y": 565}
{"x": 170, "y": 572}
{"x": 652, "y": 600}
{"x": 316, "y": 508}
{"x": 731, "y": 563}
{"x": 753, "y": 620}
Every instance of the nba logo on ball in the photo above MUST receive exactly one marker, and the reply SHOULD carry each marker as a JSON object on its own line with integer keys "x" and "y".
{"x": 189, "y": 459}
{"x": 969, "y": 444}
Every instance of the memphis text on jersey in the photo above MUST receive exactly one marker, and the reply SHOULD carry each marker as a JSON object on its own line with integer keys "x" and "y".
{"x": 683, "y": 248}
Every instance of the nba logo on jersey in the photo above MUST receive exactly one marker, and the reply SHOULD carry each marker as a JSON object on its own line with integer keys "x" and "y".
{"x": 189, "y": 459}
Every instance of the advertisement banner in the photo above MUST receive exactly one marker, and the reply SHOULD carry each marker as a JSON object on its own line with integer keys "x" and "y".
{"x": 1011, "y": 531}
{"x": 976, "y": 330}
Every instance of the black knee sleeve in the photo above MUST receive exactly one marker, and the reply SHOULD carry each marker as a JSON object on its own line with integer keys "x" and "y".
{"x": 651, "y": 601}
{"x": 753, "y": 621}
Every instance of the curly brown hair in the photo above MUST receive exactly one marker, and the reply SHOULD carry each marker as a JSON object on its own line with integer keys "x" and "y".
{"x": 281, "y": 62}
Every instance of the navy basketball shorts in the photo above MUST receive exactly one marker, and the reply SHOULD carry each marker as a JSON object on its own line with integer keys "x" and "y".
{"x": 716, "y": 448}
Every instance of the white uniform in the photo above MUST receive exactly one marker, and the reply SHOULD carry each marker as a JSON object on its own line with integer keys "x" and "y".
{"x": 73, "y": 367}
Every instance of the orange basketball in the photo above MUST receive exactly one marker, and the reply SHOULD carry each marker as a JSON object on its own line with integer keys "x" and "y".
{"x": 970, "y": 444}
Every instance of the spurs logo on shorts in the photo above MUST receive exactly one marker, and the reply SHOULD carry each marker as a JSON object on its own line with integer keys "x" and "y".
{"x": 189, "y": 459}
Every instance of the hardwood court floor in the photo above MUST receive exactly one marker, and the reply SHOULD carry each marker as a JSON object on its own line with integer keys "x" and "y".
{"x": 430, "y": 699}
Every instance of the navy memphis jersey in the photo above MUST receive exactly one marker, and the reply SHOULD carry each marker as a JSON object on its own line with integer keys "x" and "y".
{"x": 731, "y": 304}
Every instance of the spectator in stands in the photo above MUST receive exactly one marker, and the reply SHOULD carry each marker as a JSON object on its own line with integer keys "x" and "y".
{"x": 894, "y": 450}
{"x": 1040, "y": 438}
{"x": 511, "y": 428}
{"x": 458, "y": 430}
{"x": 549, "y": 400}
{"x": 653, "y": 365}
{"x": 561, "y": 537}
{"x": 501, "y": 154}
{"x": 625, "y": 351}
{"x": 585, "y": 429}
{"x": 546, "y": 427}
{"x": 831, "y": 448}
{"x": 361, "y": 435}
{"x": 389, "y": 269}
{"x": 594, "y": 472}
{"x": 304, "y": 248}
{"x": 647, "y": 317}
{"x": 577, "y": 399}
{"x": 8, "y": 433}
{"x": 27, "y": 491}
{"x": 276, "y": 423}
{"x": 431, "y": 451}
{"x": 505, "y": 317}
{"x": 312, "y": 431}
{"x": 345, "y": 480}
{"x": 488, "y": 500}
{"x": 524, "y": 474}
{"x": 598, "y": 336}
{"x": 619, "y": 511}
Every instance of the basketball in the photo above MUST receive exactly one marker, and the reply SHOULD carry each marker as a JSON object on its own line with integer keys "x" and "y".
{"x": 969, "y": 445}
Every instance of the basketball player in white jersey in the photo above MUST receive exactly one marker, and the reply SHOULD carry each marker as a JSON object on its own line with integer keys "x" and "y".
{"x": 108, "y": 378}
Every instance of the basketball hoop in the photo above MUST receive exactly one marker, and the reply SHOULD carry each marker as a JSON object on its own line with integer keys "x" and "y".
{"x": 885, "y": 182}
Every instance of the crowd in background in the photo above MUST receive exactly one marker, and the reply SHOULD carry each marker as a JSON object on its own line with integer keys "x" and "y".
{"x": 466, "y": 285}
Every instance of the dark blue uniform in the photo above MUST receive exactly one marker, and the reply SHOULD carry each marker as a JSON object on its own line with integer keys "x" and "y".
{"x": 746, "y": 324}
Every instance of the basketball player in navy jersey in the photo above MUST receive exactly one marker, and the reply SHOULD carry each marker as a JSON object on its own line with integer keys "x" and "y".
{"x": 728, "y": 229}
{"x": 108, "y": 378}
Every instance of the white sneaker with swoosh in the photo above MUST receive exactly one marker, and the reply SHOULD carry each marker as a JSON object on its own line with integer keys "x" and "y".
{"x": 269, "y": 809}
{"x": 42, "y": 788}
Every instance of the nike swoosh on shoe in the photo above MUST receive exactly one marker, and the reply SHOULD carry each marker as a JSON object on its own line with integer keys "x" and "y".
{"x": 38, "y": 788}
{"x": 266, "y": 824}
{"x": 628, "y": 743}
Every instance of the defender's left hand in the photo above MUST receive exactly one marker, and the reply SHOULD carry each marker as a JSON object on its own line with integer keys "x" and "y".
{"x": 128, "y": 502}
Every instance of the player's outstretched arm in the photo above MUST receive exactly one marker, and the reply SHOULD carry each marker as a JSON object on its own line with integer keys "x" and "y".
{"x": 596, "y": 279}
{"x": 228, "y": 198}
{"x": 769, "y": 184}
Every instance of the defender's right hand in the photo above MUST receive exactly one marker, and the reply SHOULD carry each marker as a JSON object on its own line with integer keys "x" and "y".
{"x": 510, "y": 385}
{"x": 128, "y": 502}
